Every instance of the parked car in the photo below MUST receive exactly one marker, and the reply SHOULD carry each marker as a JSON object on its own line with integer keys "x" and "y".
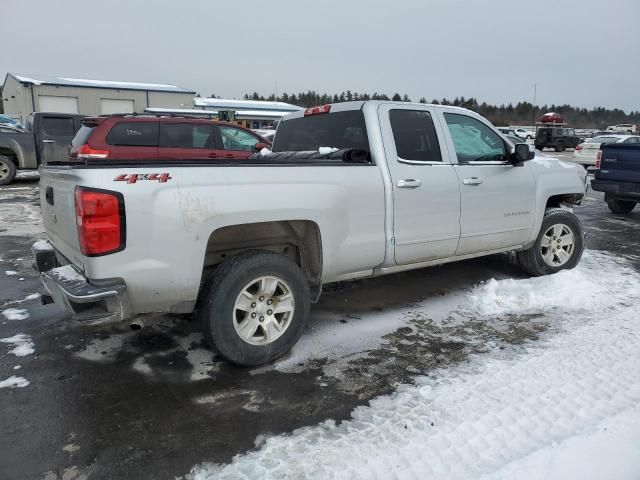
{"x": 507, "y": 131}
{"x": 117, "y": 138}
{"x": 599, "y": 133}
{"x": 624, "y": 128}
{"x": 618, "y": 176}
{"x": 558, "y": 138}
{"x": 267, "y": 134}
{"x": 525, "y": 134}
{"x": 46, "y": 138}
{"x": 586, "y": 153}
{"x": 350, "y": 191}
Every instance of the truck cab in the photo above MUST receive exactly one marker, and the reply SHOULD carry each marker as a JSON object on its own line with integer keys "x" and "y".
{"x": 45, "y": 139}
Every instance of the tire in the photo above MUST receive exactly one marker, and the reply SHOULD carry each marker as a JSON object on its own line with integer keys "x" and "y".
{"x": 528, "y": 137}
{"x": 7, "y": 170}
{"x": 223, "y": 323}
{"x": 559, "y": 147}
{"x": 538, "y": 260}
{"x": 539, "y": 148}
{"x": 620, "y": 206}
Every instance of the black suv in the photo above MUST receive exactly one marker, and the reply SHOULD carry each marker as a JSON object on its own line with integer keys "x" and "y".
{"x": 556, "y": 137}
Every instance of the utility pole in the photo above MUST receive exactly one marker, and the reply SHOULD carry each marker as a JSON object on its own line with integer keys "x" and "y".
{"x": 533, "y": 109}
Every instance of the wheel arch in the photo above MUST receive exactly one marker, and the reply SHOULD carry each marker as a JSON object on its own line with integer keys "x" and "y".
{"x": 299, "y": 240}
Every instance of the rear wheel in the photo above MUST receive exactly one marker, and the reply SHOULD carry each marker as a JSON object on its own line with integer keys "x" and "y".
{"x": 256, "y": 307}
{"x": 559, "y": 245}
{"x": 560, "y": 146}
{"x": 7, "y": 170}
{"x": 620, "y": 206}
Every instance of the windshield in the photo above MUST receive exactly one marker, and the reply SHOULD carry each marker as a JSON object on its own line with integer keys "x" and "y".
{"x": 336, "y": 130}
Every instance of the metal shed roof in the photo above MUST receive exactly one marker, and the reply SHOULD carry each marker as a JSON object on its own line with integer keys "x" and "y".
{"x": 224, "y": 103}
{"x": 90, "y": 83}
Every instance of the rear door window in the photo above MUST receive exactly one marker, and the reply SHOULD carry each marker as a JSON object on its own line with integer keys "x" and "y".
{"x": 337, "y": 130}
{"x": 415, "y": 135}
{"x": 58, "y": 126}
{"x": 138, "y": 134}
{"x": 237, "y": 139}
{"x": 187, "y": 135}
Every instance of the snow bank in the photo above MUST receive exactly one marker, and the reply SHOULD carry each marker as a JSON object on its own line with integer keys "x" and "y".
{"x": 15, "y": 314}
{"x": 23, "y": 345}
{"x": 501, "y": 413}
{"x": 569, "y": 290}
{"x": 14, "y": 382}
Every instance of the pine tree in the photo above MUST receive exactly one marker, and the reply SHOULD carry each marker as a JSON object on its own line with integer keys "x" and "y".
{"x": 396, "y": 97}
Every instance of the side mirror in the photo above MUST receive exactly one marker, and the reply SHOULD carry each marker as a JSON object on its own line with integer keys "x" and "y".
{"x": 261, "y": 145}
{"x": 522, "y": 153}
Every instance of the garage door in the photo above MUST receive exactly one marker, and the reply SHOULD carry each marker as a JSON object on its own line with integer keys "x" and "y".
{"x": 49, "y": 103}
{"x": 112, "y": 105}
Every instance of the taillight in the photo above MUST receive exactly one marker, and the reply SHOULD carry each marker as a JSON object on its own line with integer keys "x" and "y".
{"x": 100, "y": 219}
{"x": 578, "y": 147}
{"x": 317, "y": 110}
{"x": 598, "y": 159}
{"x": 84, "y": 152}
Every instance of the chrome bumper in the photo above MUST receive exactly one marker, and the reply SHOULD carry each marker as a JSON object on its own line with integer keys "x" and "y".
{"x": 94, "y": 301}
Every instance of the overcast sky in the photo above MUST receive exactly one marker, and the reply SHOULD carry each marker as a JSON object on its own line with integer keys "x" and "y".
{"x": 581, "y": 52}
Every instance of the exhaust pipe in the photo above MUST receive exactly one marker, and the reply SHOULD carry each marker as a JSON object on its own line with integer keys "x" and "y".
{"x": 136, "y": 325}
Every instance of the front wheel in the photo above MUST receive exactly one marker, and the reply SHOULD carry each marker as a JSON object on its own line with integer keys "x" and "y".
{"x": 7, "y": 170}
{"x": 620, "y": 206}
{"x": 559, "y": 147}
{"x": 559, "y": 245}
{"x": 256, "y": 307}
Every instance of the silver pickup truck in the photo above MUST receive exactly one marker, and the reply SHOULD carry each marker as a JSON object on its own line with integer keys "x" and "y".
{"x": 350, "y": 190}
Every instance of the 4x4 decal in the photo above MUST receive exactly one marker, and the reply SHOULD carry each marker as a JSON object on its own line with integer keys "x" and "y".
{"x": 135, "y": 177}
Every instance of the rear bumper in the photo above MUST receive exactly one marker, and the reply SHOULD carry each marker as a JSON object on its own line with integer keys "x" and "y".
{"x": 619, "y": 189}
{"x": 90, "y": 301}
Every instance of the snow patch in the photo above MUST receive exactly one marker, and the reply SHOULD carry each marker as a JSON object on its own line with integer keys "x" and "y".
{"x": 15, "y": 314}
{"x": 568, "y": 290}
{"x": 23, "y": 345}
{"x": 42, "y": 245}
{"x": 14, "y": 382}
{"x": 265, "y": 152}
{"x": 10, "y": 273}
{"x": 563, "y": 407}
{"x": 326, "y": 150}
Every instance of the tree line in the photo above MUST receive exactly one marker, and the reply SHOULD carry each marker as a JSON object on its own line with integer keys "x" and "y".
{"x": 522, "y": 113}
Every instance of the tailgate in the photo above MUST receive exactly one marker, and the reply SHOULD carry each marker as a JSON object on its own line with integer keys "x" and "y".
{"x": 620, "y": 162}
{"x": 57, "y": 202}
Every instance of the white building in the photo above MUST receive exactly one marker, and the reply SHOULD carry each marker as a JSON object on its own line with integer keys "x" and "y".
{"x": 24, "y": 94}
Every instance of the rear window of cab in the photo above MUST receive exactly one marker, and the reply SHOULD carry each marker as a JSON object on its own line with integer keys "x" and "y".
{"x": 335, "y": 130}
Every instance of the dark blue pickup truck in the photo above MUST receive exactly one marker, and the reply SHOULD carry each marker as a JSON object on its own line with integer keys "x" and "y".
{"x": 618, "y": 176}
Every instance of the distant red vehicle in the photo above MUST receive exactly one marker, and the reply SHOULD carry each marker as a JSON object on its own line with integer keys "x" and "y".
{"x": 551, "y": 117}
{"x": 149, "y": 138}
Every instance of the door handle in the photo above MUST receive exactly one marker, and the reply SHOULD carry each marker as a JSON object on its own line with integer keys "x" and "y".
{"x": 409, "y": 183}
{"x": 229, "y": 155}
{"x": 213, "y": 155}
{"x": 472, "y": 181}
{"x": 48, "y": 141}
